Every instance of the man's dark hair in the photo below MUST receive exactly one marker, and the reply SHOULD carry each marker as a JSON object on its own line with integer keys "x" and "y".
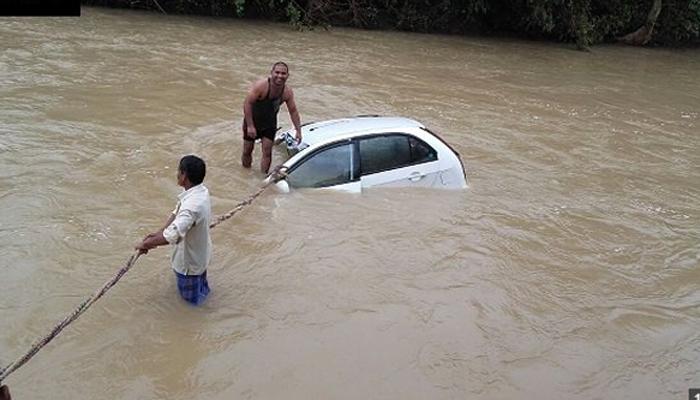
{"x": 194, "y": 169}
{"x": 282, "y": 63}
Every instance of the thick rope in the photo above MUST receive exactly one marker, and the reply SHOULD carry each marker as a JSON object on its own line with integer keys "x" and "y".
{"x": 67, "y": 320}
{"x": 239, "y": 207}
{"x": 274, "y": 177}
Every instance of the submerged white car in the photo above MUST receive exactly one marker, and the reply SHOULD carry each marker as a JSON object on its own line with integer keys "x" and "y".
{"x": 351, "y": 154}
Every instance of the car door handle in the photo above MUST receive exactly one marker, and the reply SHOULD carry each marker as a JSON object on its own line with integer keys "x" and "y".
{"x": 415, "y": 176}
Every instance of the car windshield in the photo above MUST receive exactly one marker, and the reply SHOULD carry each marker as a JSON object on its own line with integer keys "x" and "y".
{"x": 327, "y": 167}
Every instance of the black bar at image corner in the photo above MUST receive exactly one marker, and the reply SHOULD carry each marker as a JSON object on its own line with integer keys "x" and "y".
{"x": 693, "y": 394}
{"x": 40, "y": 8}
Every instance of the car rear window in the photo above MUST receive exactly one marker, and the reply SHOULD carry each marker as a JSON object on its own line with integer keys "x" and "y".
{"x": 420, "y": 151}
{"x": 386, "y": 152}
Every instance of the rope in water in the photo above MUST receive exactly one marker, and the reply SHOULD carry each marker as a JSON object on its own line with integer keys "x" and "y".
{"x": 275, "y": 176}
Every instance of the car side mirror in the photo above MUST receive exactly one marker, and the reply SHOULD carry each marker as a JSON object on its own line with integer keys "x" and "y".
{"x": 282, "y": 186}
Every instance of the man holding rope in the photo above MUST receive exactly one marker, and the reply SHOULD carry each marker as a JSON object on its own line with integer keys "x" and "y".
{"x": 188, "y": 230}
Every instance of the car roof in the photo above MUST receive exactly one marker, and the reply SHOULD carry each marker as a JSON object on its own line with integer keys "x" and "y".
{"x": 318, "y": 131}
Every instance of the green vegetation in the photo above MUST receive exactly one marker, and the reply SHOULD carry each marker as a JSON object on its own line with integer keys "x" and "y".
{"x": 583, "y": 22}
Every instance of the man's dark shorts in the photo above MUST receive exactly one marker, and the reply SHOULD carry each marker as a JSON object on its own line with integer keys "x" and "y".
{"x": 262, "y": 133}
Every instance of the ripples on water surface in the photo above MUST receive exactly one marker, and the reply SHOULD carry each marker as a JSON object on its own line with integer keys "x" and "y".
{"x": 569, "y": 269}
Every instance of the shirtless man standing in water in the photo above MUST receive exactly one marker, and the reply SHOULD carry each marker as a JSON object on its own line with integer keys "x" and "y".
{"x": 260, "y": 110}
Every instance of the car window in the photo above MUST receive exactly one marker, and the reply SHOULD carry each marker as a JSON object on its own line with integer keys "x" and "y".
{"x": 327, "y": 167}
{"x": 420, "y": 151}
{"x": 382, "y": 153}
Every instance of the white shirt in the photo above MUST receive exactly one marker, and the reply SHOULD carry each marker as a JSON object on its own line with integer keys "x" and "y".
{"x": 189, "y": 231}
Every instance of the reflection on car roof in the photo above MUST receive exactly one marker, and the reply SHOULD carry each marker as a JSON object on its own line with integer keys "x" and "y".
{"x": 317, "y": 131}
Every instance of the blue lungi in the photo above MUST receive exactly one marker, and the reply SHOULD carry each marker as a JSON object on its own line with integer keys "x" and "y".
{"x": 193, "y": 288}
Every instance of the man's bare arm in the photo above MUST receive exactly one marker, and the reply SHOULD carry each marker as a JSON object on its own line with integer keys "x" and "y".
{"x": 294, "y": 114}
{"x": 151, "y": 241}
{"x": 168, "y": 222}
{"x": 253, "y": 95}
{"x": 156, "y": 238}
